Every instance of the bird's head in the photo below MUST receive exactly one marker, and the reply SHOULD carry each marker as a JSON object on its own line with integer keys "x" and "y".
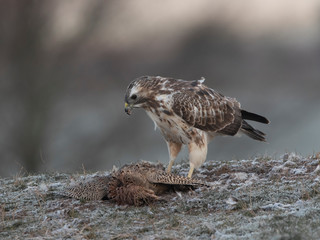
{"x": 137, "y": 94}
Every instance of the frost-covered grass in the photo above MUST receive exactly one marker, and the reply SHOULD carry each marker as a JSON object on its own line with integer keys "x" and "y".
{"x": 262, "y": 198}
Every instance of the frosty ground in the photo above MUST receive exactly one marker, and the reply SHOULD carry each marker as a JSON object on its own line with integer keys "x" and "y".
{"x": 260, "y": 198}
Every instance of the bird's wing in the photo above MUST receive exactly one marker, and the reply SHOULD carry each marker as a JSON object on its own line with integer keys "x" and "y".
{"x": 131, "y": 194}
{"x": 208, "y": 110}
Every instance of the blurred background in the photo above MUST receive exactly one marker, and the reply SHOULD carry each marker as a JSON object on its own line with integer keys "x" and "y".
{"x": 65, "y": 66}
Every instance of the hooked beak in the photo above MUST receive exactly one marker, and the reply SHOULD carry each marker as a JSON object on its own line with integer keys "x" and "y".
{"x": 127, "y": 108}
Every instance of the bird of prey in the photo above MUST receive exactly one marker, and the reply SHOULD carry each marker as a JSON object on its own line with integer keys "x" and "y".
{"x": 133, "y": 184}
{"x": 189, "y": 113}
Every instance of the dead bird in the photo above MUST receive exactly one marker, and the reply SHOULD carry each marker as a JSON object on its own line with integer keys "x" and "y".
{"x": 134, "y": 184}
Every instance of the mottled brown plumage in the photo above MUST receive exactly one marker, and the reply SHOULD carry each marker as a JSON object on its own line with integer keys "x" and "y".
{"x": 134, "y": 184}
{"x": 95, "y": 189}
{"x": 190, "y": 113}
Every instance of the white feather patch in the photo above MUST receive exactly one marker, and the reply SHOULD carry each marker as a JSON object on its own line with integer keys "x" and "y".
{"x": 201, "y": 80}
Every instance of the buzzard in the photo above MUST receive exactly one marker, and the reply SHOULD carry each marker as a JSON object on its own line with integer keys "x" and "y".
{"x": 189, "y": 113}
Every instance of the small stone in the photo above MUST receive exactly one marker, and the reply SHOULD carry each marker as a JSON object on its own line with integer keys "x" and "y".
{"x": 241, "y": 176}
{"x": 232, "y": 201}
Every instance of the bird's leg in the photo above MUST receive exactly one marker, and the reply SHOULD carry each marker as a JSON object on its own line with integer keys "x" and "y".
{"x": 174, "y": 149}
{"x": 190, "y": 171}
{"x": 197, "y": 155}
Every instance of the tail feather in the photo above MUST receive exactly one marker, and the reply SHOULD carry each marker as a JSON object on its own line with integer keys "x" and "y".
{"x": 254, "y": 117}
{"x": 247, "y": 129}
{"x": 171, "y": 179}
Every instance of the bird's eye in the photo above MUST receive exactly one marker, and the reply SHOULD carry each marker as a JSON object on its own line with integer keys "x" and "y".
{"x": 134, "y": 97}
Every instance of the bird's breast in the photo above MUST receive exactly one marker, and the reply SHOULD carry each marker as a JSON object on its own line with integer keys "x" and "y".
{"x": 173, "y": 128}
